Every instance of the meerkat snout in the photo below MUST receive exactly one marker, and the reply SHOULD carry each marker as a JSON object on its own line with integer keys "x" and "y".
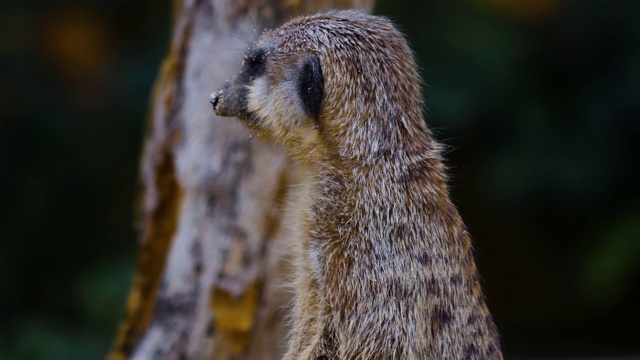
{"x": 227, "y": 102}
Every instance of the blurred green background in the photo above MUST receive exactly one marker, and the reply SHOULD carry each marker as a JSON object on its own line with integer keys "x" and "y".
{"x": 536, "y": 101}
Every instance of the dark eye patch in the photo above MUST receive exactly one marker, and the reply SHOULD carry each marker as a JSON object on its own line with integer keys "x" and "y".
{"x": 311, "y": 86}
{"x": 255, "y": 63}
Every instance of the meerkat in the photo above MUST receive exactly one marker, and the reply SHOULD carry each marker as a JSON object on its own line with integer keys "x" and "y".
{"x": 383, "y": 262}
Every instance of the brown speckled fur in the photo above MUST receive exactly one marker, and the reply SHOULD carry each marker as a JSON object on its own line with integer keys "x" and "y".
{"x": 384, "y": 264}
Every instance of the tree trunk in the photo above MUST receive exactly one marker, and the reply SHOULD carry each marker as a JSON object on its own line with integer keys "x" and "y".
{"x": 209, "y": 278}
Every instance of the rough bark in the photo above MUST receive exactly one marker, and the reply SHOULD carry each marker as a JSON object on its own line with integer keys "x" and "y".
{"x": 209, "y": 278}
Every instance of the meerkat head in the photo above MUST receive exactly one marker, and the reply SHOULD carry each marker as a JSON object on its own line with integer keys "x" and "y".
{"x": 341, "y": 82}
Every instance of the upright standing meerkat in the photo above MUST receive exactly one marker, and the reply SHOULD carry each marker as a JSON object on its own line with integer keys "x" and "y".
{"x": 384, "y": 263}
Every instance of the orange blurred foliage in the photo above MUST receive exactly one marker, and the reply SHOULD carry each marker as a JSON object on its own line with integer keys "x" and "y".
{"x": 75, "y": 43}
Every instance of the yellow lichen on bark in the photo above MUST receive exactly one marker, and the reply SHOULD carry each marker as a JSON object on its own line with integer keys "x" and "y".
{"x": 235, "y": 315}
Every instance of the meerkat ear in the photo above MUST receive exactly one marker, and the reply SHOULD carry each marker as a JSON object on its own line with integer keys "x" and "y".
{"x": 311, "y": 86}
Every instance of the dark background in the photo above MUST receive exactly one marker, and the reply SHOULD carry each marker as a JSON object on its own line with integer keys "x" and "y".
{"x": 537, "y": 102}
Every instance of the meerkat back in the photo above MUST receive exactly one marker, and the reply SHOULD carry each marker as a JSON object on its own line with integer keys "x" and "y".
{"x": 385, "y": 268}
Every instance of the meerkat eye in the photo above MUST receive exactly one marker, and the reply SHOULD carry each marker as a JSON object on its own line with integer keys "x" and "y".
{"x": 255, "y": 63}
{"x": 311, "y": 86}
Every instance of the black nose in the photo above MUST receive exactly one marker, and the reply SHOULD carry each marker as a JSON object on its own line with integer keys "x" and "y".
{"x": 215, "y": 98}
